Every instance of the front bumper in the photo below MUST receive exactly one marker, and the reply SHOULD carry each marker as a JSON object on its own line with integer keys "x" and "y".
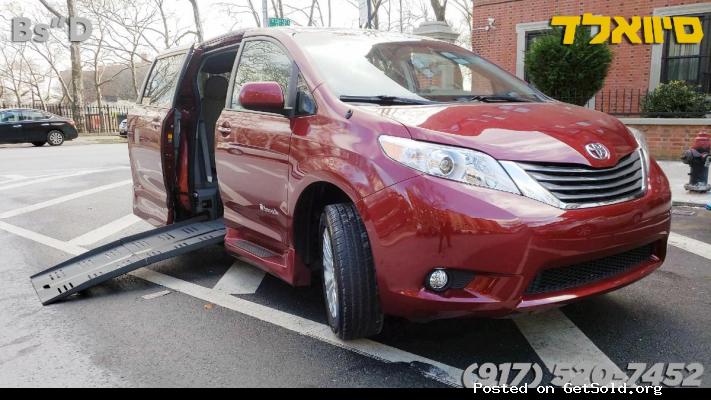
{"x": 506, "y": 240}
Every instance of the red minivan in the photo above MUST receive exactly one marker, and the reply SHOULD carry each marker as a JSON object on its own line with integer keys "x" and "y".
{"x": 410, "y": 176}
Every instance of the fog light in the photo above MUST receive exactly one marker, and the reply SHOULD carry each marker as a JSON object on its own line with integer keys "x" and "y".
{"x": 438, "y": 280}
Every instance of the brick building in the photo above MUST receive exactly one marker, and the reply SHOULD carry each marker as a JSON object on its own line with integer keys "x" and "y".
{"x": 635, "y": 69}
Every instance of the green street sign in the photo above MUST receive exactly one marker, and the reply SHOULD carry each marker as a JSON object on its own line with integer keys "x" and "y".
{"x": 279, "y": 22}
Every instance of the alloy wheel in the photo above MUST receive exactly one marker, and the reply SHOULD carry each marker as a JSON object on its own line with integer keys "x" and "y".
{"x": 55, "y": 138}
{"x": 329, "y": 276}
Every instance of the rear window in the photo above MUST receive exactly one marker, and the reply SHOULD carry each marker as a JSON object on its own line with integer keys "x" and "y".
{"x": 9, "y": 116}
{"x": 162, "y": 81}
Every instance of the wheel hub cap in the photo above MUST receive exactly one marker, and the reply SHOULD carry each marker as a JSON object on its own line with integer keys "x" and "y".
{"x": 55, "y": 137}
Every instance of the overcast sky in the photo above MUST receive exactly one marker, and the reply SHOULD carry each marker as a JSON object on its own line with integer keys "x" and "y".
{"x": 345, "y": 13}
{"x": 217, "y": 21}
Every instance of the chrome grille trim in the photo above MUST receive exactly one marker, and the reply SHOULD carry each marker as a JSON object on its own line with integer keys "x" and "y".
{"x": 575, "y": 186}
{"x": 548, "y": 169}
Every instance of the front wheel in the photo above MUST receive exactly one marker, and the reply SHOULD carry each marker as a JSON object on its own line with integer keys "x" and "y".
{"x": 55, "y": 138}
{"x": 349, "y": 286}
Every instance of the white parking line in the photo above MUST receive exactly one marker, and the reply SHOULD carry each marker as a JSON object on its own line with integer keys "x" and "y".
{"x": 241, "y": 278}
{"x": 105, "y": 231}
{"x": 697, "y": 247}
{"x": 42, "y": 239}
{"x": 10, "y": 178}
{"x": 54, "y": 177}
{"x": 438, "y": 371}
{"x": 557, "y": 341}
{"x": 435, "y": 370}
{"x": 59, "y": 200}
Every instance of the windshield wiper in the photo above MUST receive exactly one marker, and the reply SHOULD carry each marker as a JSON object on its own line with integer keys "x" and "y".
{"x": 494, "y": 99}
{"x": 385, "y": 100}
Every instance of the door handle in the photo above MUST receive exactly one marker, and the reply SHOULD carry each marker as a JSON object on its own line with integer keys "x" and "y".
{"x": 225, "y": 128}
{"x": 17, "y": 126}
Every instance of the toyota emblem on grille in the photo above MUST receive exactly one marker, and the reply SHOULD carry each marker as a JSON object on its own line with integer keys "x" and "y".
{"x": 598, "y": 151}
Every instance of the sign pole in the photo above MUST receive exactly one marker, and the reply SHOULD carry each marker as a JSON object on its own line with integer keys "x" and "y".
{"x": 265, "y": 14}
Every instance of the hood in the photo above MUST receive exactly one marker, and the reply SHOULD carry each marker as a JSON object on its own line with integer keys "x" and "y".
{"x": 535, "y": 132}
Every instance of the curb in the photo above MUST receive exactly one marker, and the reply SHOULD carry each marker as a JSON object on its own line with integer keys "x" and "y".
{"x": 688, "y": 204}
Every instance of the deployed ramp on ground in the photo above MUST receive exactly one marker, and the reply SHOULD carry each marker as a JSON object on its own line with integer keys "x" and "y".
{"x": 125, "y": 255}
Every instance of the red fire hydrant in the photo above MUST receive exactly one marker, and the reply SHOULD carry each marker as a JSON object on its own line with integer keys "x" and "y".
{"x": 698, "y": 158}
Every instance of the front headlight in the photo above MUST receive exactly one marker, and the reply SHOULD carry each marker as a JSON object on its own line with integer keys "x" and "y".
{"x": 453, "y": 163}
{"x": 643, "y": 153}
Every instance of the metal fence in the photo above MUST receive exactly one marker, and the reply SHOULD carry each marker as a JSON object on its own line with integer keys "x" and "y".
{"x": 104, "y": 119}
{"x": 623, "y": 103}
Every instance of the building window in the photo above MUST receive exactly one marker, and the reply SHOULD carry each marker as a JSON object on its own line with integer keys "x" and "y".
{"x": 531, "y": 38}
{"x": 689, "y": 62}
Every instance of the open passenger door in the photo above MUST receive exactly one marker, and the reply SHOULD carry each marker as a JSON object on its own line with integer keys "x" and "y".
{"x": 153, "y": 131}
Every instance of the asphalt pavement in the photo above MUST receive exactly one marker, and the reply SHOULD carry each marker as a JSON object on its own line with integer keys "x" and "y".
{"x": 205, "y": 319}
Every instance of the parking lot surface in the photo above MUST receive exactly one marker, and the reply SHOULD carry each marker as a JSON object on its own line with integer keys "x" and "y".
{"x": 205, "y": 319}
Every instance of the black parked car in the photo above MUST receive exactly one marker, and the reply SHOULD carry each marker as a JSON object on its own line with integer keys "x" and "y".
{"x": 35, "y": 126}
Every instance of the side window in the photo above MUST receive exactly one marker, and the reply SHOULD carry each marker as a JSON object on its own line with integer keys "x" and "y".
{"x": 9, "y": 116}
{"x": 34, "y": 116}
{"x": 163, "y": 81}
{"x": 305, "y": 102}
{"x": 262, "y": 61}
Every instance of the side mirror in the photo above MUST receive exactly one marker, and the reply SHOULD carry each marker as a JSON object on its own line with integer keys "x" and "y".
{"x": 262, "y": 96}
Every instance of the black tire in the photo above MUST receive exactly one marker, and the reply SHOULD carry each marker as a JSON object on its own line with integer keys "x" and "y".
{"x": 38, "y": 144}
{"x": 358, "y": 307}
{"x": 55, "y": 138}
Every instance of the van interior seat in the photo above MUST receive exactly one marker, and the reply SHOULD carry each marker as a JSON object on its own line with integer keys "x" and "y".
{"x": 213, "y": 103}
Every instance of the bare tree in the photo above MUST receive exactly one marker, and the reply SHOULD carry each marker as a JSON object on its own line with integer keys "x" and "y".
{"x": 374, "y": 18}
{"x": 13, "y": 72}
{"x": 101, "y": 58}
{"x": 278, "y": 8}
{"x": 35, "y": 78}
{"x": 129, "y": 23}
{"x": 307, "y": 12}
{"x": 53, "y": 53}
{"x": 196, "y": 18}
{"x": 235, "y": 9}
{"x": 466, "y": 10}
{"x": 440, "y": 9}
{"x": 77, "y": 86}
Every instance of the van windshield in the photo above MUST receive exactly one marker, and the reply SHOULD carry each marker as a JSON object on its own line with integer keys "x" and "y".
{"x": 400, "y": 69}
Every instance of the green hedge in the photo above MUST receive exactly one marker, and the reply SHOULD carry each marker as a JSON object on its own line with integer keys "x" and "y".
{"x": 676, "y": 99}
{"x": 571, "y": 73}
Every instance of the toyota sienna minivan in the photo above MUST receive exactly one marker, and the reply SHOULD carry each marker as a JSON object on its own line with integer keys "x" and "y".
{"x": 407, "y": 176}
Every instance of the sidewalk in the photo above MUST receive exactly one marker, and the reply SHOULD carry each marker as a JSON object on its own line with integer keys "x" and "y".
{"x": 678, "y": 174}
{"x": 98, "y": 139}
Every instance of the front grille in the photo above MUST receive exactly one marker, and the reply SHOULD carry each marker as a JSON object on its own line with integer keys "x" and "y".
{"x": 556, "y": 279}
{"x": 580, "y": 186}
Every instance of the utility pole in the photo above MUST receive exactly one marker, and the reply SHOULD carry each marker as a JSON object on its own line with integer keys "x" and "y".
{"x": 402, "y": 28}
{"x": 265, "y": 14}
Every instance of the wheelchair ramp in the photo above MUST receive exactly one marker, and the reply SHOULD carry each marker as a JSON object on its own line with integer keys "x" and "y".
{"x": 125, "y": 255}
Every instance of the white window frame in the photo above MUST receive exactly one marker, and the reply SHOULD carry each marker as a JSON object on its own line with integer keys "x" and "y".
{"x": 521, "y": 30}
{"x": 655, "y": 67}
